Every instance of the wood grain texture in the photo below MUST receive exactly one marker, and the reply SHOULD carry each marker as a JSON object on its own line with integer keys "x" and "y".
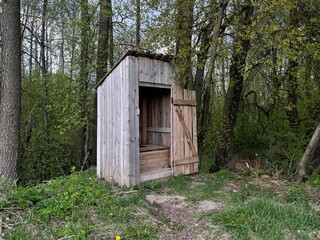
{"x": 184, "y": 140}
{"x": 129, "y": 115}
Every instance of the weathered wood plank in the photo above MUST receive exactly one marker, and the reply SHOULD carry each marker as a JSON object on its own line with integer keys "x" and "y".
{"x": 154, "y": 163}
{"x": 154, "y": 154}
{"x": 144, "y": 134}
{"x": 154, "y": 71}
{"x": 146, "y": 148}
{"x": 189, "y": 151}
{"x": 188, "y": 160}
{"x": 99, "y": 125}
{"x": 184, "y": 102}
{"x": 185, "y": 130}
{"x": 148, "y": 176}
{"x": 159, "y": 129}
{"x": 136, "y": 179}
{"x": 184, "y": 120}
{"x": 178, "y": 141}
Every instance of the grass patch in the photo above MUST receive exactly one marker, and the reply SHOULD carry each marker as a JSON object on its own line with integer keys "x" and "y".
{"x": 67, "y": 206}
{"x": 145, "y": 230}
{"x": 264, "y": 218}
{"x": 81, "y": 207}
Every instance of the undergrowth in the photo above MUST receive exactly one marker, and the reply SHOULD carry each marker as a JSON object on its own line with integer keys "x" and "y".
{"x": 71, "y": 206}
{"x": 81, "y": 207}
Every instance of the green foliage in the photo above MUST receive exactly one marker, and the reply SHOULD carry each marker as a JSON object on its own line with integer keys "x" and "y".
{"x": 45, "y": 158}
{"x": 68, "y": 199}
{"x": 314, "y": 180}
{"x": 224, "y": 175}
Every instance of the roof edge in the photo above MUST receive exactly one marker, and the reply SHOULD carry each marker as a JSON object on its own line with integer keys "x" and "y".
{"x": 135, "y": 53}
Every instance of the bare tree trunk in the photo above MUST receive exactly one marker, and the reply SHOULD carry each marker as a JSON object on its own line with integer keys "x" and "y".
{"x": 83, "y": 91}
{"x": 232, "y": 101}
{"x": 138, "y": 23}
{"x": 292, "y": 73}
{"x": 184, "y": 42}
{"x": 209, "y": 37}
{"x": 10, "y": 94}
{"x": 44, "y": 70}
{"x": 111, "y": 55}
{"x": 104, "y": 55}
{"x": 104, "y": 38}
{"x": 308, "y": 154}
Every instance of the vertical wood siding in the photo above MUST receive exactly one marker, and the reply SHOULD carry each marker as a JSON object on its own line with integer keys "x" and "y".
{"x": 184, "y": 146}
{"x": 118, "y": 117}
{"x": 155, "y": 71}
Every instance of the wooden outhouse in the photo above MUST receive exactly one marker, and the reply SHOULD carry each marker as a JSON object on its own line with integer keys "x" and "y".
{"x": 146, "y": 126}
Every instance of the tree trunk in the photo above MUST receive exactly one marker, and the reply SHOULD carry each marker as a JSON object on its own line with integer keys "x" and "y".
{"x": 83, "y": 90}
{"x": 184, "y": 19}
{"x": 209, "y": 37}
{"x": 138, "y": 23}
{"x": 236, "y": 71}
{"x": 308, "y": 154}
{"x": 104, "y": 38}
{"x": 10, "y": 94}
{"x": 44, "y": 71}
{"x": 104, "y": 55}
{"x": 292, "y": 73}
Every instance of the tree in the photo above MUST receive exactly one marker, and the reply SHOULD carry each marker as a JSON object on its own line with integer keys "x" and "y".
{"x": 138, "y": 23}
{"x": 184, "y": 31}
{"x": 105, "y": 28}
{"x": 10, "y": 93}
{"x": 308, "y": 154}
{"x": 83, "y": 139}
{"x": 292, "y": 70}
{"x": 237, "y": 69}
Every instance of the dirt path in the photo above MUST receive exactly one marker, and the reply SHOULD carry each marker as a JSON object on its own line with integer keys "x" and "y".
{"x": 180, "y": 220}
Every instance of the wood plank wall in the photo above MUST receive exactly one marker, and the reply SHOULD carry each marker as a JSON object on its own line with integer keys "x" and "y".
{"x": 118, "y": 117}
{"x": 155, "y": 71}
{"x": 117, "y": 156}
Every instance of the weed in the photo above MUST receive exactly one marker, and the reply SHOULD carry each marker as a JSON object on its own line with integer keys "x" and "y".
{"x": 297, "y": 193}
{"x": 179, "y": 184}
{"x": 314, "y": 180}
{"x": 224, "y": 175}
{"x": 152, "y": 185}
{"x": 141, "y": 231}
{"x": 21, "y": 232}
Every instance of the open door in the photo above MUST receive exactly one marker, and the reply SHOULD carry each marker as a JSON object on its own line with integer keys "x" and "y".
{"x": 185, "y": 158}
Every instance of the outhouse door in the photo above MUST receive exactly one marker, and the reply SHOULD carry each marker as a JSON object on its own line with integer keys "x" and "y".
{"x": 184, "y": 155}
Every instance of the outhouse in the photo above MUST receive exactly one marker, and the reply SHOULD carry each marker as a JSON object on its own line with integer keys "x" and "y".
{"x": 146, "y": 126}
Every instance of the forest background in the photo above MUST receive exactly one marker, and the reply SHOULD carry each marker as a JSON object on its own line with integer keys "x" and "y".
{"x": 254, "y": 66}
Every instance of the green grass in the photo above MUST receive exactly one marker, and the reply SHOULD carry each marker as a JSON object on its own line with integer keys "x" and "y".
{"x": 268, "y": 218}
{"x": 67, "y": 206}
{"x": 81, "y": 207}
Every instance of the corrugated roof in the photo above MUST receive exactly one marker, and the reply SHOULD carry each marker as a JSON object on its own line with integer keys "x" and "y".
{"x": 157, "y": 56}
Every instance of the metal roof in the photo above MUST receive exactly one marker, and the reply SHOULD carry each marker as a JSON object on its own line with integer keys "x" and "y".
{"x": 157, "y": 56}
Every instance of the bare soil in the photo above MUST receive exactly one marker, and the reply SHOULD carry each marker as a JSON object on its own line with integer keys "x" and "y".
{"x": 180, "y": 220}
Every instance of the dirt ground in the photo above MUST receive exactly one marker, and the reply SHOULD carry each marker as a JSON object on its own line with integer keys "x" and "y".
{"x": 180, "y": 220}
